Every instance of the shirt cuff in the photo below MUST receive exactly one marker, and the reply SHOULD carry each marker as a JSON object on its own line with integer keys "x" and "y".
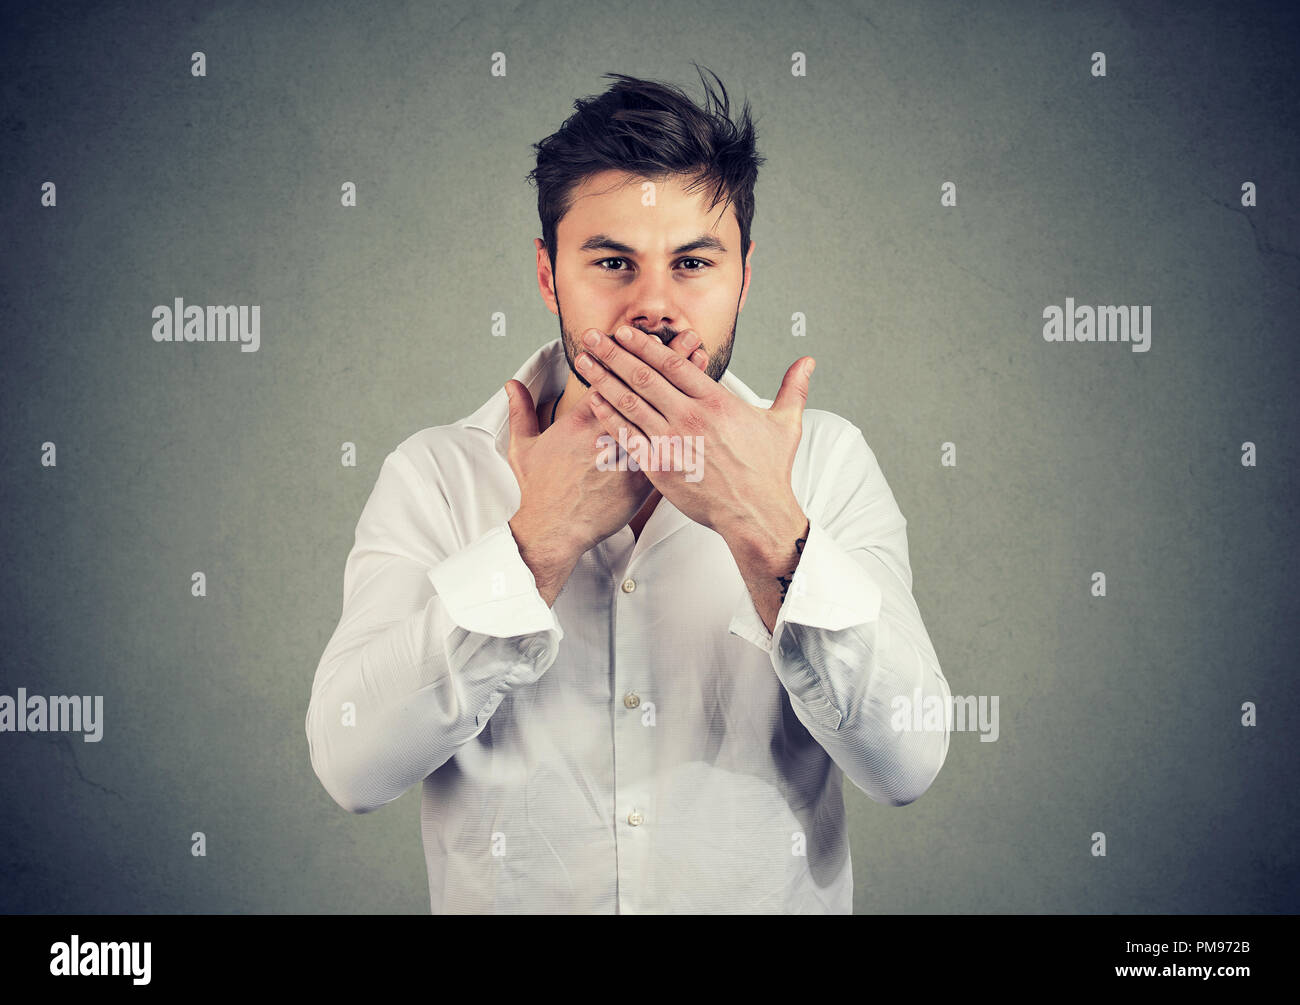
{"x": 488, "y": 588}
{"x": 829, "y": 590}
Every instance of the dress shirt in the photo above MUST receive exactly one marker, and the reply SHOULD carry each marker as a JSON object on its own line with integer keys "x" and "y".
{"x": 642, "y": 746}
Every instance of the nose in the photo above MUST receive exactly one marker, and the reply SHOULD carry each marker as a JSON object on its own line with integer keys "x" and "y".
{"x": 651, "y": 308}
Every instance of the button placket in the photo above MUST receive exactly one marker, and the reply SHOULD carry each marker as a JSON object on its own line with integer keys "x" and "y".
{"x": 632, "y": 755}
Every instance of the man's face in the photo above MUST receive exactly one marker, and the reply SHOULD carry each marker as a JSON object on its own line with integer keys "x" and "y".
{"x": 661, "y": 266}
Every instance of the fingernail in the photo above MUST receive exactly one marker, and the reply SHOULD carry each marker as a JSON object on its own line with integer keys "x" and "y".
{"x": 809, "y": 367}
{"x": 591, "y": 339}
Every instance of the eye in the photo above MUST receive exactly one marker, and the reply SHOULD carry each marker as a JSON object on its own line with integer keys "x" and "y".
{"x": 700, "y": 263}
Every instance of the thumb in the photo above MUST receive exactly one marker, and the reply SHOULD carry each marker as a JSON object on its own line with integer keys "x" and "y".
{"x": 793, "y": 395}
{"x": 523, "y": 413}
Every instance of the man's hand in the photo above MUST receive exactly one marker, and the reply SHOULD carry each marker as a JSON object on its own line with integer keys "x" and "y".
{"x": 747, "y": 452}
{"x": 744, "y": 455}
{"x": 567, "y": 504}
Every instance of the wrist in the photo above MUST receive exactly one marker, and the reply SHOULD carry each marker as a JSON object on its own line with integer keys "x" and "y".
{"x": 543, "y": 549}
{"x": 765, "y": 543}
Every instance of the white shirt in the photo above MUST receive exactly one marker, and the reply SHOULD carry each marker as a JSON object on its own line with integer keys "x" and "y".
{"x": 642, "y": 746}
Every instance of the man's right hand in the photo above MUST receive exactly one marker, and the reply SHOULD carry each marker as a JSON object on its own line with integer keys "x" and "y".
{"x": 568, "y": 505}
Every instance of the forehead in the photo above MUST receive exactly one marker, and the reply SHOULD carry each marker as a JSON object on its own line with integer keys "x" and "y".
{"x": 613, "y": 201}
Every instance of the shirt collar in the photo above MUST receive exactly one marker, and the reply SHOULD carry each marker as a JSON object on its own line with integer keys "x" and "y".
{"x": 544, "y": 374}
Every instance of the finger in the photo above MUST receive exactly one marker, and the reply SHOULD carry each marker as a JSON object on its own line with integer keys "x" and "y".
{"x": 634, "y": 348}
{"x": 629, "y": 402}
{"x": 649, "y": 393}
{"x": 523, "y": 413}
{"x": 615, "y": 425}
{"x": 683, "y": 342}
{"x": 793, "y": 395}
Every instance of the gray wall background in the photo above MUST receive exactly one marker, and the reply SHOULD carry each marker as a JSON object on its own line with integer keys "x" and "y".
{"x": 1118, "y": 714}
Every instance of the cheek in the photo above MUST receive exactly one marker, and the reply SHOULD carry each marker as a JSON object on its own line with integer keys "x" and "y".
{"x": 589, "y": 295}
{"x": 714, "y": 313}
{"x": 720, "y": 295}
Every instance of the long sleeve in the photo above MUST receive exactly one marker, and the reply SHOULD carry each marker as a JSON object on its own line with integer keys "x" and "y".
{"x": 431, "y": 637}
{"x": 853, "y": 648}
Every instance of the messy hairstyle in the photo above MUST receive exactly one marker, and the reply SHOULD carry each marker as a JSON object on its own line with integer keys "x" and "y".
{"x": 649, "y": 129}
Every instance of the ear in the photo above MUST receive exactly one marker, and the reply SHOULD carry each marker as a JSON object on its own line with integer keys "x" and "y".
{"x": 744, "y": 289}
{"x": 545, "y": 277}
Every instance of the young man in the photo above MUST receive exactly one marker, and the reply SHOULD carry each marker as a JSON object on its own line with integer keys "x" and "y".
{"x": 628, "y": 687}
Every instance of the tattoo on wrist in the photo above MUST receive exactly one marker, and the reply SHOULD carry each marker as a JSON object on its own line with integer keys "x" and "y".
{"x": 785, "y": 581}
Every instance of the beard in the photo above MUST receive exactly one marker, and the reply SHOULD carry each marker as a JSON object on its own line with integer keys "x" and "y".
{"x": 715, "y": 367}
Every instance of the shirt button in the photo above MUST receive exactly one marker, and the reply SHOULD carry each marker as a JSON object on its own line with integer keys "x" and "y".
{"x": 631, "y": 699}
{"x": 635, "y": 818}
{"x": 629, "y": 585}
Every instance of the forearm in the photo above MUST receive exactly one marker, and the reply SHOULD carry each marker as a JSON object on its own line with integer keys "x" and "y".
{"x": 852, "y": 651}
{"x": 766, "y": 550}
{"x": 551, "y": 561}
{"x": 891, "y": 698}
{"x": 390, "y": 710}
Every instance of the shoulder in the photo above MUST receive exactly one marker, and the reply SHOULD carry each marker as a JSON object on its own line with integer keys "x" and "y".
{"x": 828, "y": 434}
{"x": 453, "y": 453}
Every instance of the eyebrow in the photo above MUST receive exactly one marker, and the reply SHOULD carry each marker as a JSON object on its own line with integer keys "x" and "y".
{"x": 705, "y": 242}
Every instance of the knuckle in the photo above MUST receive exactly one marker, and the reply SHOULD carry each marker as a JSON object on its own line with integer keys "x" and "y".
{"x": 642, "y": 375}
{"x": 627, "y": 402}
{"x": 713, "y": 404}
{"x": 694, "y": 423}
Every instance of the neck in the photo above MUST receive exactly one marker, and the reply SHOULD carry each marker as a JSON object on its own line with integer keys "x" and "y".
{"x": 569, "y": 400}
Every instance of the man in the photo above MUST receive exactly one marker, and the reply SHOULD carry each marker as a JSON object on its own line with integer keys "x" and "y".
{"x": 631, "y": 680}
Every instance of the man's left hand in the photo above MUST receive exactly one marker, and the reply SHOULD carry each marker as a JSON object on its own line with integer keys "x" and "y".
{"x": 743, "y": 491}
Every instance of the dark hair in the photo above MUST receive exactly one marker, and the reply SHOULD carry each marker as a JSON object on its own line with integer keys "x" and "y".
{"x": 649, "y": 129}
